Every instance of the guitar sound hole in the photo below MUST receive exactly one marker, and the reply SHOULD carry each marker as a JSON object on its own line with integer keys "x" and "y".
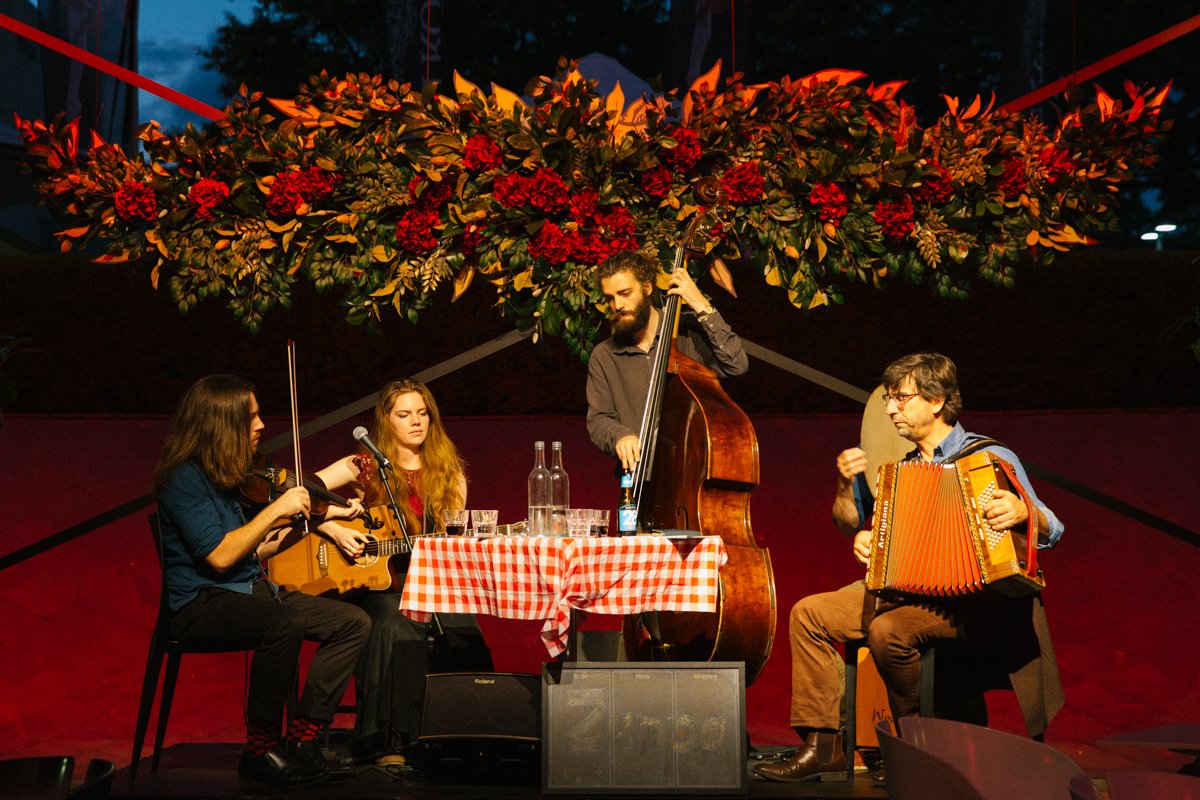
{"x": 371, "y": 555}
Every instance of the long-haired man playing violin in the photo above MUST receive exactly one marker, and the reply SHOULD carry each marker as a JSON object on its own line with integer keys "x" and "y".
{"x": 219, "y": 596}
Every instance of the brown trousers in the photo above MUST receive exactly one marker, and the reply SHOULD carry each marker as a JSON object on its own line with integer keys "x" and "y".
{"x": 895, "y": 633}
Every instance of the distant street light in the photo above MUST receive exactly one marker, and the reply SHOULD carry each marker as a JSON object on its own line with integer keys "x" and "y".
{"x": 1166, "y": 227}
{"x": 1156, "y": 235}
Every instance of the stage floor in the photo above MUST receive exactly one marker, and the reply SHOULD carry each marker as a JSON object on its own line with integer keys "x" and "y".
{"x": 210, "y": 771}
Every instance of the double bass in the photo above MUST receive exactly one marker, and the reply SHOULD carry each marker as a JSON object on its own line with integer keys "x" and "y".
{"x": 699, "y": 464}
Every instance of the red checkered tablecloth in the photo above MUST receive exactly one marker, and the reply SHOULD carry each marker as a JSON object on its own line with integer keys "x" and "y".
{"x": 545, "y": 578}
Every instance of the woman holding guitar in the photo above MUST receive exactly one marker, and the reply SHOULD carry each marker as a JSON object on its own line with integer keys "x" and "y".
{"x": 428, "y": 477}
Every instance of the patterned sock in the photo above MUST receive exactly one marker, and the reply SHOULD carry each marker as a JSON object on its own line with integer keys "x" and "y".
{"x": 303, "y": 729}
{"x": 260, "y": 737}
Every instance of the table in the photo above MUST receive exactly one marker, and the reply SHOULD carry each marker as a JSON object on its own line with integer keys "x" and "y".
{"x": 548, "y": 578}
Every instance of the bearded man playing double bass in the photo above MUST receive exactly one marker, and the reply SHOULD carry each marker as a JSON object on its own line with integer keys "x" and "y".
{"x": 619, "y": 368}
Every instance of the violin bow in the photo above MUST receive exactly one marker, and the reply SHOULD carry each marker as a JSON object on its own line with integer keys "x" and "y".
{"x": 291, "y": 359}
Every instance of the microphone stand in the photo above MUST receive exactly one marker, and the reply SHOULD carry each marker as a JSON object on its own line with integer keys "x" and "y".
{"x": 434, "y": 631}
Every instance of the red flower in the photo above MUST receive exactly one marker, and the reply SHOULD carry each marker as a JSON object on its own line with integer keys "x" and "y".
{"x": 935, "y": 189}
{"x": 743, "y": 184}
{"x": 552, "y": 244}
{"x": 591, "y": 249}
{"x": 1013, "y": 182}
{"x": 686, "y": 152}
{"x": 415, "y": 230}
{"x": 481, "y": 153}
{"x": 1057, "y": 163}
{"x": 135, "y": 202}
{"x": 615, "y": 221}
{"x": 896, "y": 219}
{"x": 511, "y": 191}
{"x": 432, "y": 196}
{"x": 583, "y": 205}
{"x": 293, "y": 188}
{"x": 657, "y": 182}
{"x": 472, "y": 237}
{"x": 830, "y": 202}
{"x": 206, "y": 194}
{"x": 547, "y": 192}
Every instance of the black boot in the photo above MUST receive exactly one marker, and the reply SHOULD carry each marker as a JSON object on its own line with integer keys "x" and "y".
{"x": 821, "y": 758}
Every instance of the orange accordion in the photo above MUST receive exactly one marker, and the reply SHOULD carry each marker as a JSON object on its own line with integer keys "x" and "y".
{"x": 930, "y": 537}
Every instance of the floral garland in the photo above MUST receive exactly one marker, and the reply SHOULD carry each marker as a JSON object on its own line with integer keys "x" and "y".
{"x": 401, "y": 197}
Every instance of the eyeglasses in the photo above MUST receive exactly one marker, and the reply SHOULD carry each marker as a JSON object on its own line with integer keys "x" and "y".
{"x": 898, "y": 399}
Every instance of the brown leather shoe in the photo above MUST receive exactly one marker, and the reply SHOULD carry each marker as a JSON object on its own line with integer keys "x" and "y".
{"x": 821, "y": 758}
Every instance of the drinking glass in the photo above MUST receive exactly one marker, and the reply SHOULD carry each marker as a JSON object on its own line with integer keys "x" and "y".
{"x": 484, "y": 521}
{"x": 599, "y": 522}
{"x": 579, "y": 522}
{"x": 455, "y": 520}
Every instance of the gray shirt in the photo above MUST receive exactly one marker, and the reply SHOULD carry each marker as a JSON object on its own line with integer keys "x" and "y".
{"x": 619, "y": 374}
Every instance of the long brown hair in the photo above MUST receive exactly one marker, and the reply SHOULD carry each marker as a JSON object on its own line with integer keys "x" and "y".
{"x": 441, "y": 465}
{"x": 211, "y": 429}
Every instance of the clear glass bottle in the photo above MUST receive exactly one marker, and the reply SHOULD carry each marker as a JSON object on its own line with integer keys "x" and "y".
{"x": 539, "y": 493}
{"x": 560, "y": 492}
{"x": 627, "y": 512}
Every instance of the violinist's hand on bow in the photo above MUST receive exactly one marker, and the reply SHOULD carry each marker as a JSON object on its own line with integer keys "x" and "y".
{"x": 351, "y": 542}
{"x": 353, "y": 510}
{"x": 291, "y": 505}
{"x": 683, "y": 285}
{"x": 629, "y": 450}
{"x": 1005, "y": 510}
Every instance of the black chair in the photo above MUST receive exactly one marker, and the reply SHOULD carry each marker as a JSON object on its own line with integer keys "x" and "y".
{"x": 97, "y": 783}
{"x": 38, "y": 778}
{"x": 161, "y": 647}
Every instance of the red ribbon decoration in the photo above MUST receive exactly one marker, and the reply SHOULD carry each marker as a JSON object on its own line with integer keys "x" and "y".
{"x": 1103, "y": 65}
{"x": 115, "y": 70}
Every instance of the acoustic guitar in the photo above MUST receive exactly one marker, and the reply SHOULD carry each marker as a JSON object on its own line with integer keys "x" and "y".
{"x": 316, "y": 566}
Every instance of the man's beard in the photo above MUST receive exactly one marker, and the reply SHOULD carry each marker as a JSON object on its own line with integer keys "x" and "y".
{"x": 627, "y": 328}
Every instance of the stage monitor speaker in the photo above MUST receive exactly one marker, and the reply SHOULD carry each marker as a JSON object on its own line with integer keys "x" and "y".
{"x": 481, "y": 726}
{"x": 644, "y": 728}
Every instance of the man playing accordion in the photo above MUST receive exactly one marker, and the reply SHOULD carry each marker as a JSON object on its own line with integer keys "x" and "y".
{"x": 923, "y": 402}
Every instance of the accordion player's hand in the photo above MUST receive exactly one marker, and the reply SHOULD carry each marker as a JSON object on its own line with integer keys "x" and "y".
{"x": 1005, "y": 510}
{"x": 862, "y": 547}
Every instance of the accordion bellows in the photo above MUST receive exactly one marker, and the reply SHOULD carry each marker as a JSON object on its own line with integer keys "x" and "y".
{"x": 930, "y": 537}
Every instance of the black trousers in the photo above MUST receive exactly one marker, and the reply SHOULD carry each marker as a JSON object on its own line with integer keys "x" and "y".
{"x": 275, "y": 630}
{"x": 389, "y": 683}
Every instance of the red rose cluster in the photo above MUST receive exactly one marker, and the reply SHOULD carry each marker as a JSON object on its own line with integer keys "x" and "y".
{"x": 1012, "y": 184}
{"x": 935, "y": 189}
{"x": 1057, "y": 162}
{"x": 481, "y": 153}
{"x": 135, "y": 202}
{"x": 599, "y": 232}
{"x": 295, "y": 187}
{"x": 206, "y": 194}
{"x": 896, "y": 219}
{"x": 416, "y": 228}
{"x": 686, "y": 152}
{"x": 416, "y": 232}
{"x": 830, "y": 202}
{"x": 743, "y": 184}
{"x": 657, "y": 182}
{"x": 544, "y": 190}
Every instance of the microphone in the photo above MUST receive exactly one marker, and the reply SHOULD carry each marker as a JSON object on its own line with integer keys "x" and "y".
{"x": 360, "y": 435}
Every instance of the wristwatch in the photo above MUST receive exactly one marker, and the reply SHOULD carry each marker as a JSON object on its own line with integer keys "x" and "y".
{"x": 705, "y": 313}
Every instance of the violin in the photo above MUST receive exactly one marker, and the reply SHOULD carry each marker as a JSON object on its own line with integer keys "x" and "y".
{"x": 264, "y": 481}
